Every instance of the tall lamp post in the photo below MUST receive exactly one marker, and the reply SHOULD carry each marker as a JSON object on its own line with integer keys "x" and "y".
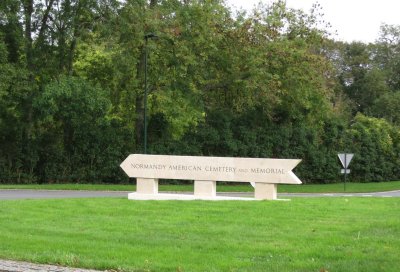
{"x": 146, "y": 38}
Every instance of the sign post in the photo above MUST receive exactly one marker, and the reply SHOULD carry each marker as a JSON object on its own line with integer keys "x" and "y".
{"x": 345, "y": 159}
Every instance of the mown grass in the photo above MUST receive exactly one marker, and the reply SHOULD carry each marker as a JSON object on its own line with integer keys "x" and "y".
{"x": 318, "y": 234}
{"x": 284, "y": 188}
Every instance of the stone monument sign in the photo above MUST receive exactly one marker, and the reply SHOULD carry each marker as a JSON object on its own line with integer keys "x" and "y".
{"x": 206, "y": 171}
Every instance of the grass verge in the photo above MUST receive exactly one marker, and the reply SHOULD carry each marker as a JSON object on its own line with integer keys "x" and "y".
{"x": 318, "y": 234}
{"x": 284, "y": 188}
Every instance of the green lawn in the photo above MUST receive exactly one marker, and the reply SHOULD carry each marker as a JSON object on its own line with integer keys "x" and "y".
{"x": 316, "y": 234}
{"x": 284, "y": 188}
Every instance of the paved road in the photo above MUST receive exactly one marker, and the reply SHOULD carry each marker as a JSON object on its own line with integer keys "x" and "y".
{"x": 290, "y": 195}
{"x": 376, "y": 194}
{"x": 42, "y": 194}
{"x": 45, "y": 194}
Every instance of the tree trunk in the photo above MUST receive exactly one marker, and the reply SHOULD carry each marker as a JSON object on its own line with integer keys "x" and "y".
{"x": 153, "y": 3}
{"x": 28, "y": 11}
{"x": 76, "y": 33}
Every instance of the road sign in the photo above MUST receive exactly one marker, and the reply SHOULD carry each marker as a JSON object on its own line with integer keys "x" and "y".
{"x": 345, "y": 171}
{"x": 345, "y": 159}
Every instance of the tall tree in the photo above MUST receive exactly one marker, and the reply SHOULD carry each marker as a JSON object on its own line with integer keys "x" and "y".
{"x": 388, "y": 54}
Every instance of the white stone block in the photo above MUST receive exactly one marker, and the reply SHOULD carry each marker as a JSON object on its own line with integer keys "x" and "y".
{"x": 146, "y": 186}
{"x": 205, "y": 188}
{"x": 265, "y": 191}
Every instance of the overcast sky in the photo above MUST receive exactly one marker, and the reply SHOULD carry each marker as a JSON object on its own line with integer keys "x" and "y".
{"x": 354, "y": 20}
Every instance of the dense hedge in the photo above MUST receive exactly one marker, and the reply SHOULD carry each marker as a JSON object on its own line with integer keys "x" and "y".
{"x": 75, "y": 139}
{"x": 78, "y": 140}
{"x": 375, "y": 143}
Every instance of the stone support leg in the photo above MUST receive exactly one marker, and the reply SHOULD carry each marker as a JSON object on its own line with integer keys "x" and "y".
{"x": 146, "y": 186}
{"x": 265, "y": 191}
{"x": 205, "y": 188}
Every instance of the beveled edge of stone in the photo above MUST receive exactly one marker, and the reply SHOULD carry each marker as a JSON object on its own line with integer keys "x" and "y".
{"x": 166, "y": 196}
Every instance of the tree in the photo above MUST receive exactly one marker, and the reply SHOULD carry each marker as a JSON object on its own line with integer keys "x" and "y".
{"x": 264, "y": 84}
{"x": 362, "y": 80}
{"x": 388, "y": 106}
{"x": 376, "y": 144}
{"x": 77, "y": 139}
{"x": 388, "y": 54}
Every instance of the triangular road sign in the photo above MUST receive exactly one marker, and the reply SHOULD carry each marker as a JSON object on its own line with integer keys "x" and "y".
{"x": 345, "y": 158}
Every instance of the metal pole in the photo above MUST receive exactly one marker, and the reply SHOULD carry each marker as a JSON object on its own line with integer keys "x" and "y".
{"x": 145, "y": 97}
{"x": 345, "y": 170}
{"x": 146, "y": 38}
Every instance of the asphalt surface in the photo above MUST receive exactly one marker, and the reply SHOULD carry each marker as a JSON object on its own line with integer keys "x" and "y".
{"x": 44, "y": 194}
{"x": 54, "y": 194}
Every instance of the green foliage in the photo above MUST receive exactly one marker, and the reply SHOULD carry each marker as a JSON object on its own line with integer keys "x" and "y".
{"x": 3, "y": 52}
{"x": 78, "y": 140}
{"x": 388, "y": 107}
{"x": 17, "y": 157}
{"x": 376, "y": 145}
{"x": 264, "y": 84}
{"x": 388, "y": 54}
{"x": 362, "y": 81}
{"x": 250, "y": 135}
